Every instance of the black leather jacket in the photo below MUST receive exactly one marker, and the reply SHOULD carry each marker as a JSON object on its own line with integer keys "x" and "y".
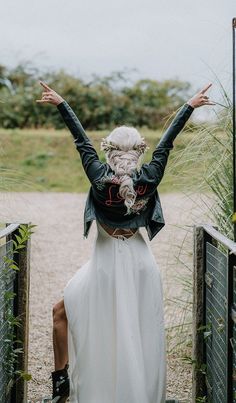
{"x": 103, "y": 202}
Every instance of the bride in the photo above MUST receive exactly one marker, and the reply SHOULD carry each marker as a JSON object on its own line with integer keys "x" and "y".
{"x": 108, "y": 331}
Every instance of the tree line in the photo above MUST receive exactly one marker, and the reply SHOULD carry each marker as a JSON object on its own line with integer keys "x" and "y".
{"x": 99, "y": 103}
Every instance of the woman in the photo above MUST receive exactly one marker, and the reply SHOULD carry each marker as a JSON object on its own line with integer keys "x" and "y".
{"x": 109, "y": 327}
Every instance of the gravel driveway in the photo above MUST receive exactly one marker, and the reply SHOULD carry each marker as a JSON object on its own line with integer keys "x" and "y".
{"x": 58, "y": 250}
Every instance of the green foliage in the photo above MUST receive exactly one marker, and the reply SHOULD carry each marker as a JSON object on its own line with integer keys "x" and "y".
{"x": 201, "y": 399}
{"x": 152, "y": 101}
{"x": 100, "y": 103}
{"x": 39, "y": 159}
{"x": 12, "y": 346}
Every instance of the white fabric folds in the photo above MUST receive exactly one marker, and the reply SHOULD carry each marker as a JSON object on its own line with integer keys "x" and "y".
{"x": 116, "y": 333}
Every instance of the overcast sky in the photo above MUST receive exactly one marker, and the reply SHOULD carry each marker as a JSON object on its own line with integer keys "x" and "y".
{"x": 160, "y": 38}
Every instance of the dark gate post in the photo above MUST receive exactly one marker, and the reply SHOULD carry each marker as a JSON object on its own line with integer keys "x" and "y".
{"x": 198, "y": 379}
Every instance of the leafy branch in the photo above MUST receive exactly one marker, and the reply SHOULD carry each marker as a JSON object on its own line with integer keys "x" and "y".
{"x": 12, "y": 346}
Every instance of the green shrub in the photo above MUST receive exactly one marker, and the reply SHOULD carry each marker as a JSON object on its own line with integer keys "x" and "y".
{"x": 101, "y": 103}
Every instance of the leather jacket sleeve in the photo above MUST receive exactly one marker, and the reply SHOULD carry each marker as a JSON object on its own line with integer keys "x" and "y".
{"x": 162, "y": 150}
{"x": 92, "y": 165}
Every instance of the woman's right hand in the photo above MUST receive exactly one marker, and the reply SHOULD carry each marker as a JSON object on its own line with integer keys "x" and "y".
{"x": 49, "y": 95}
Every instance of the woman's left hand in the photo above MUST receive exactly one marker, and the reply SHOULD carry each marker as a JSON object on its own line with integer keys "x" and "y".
{"x": 49, "y": 95}
{"x": 200, "y": 98}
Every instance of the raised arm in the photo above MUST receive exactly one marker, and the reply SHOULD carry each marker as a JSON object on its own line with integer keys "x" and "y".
{"x": 90, "y": 160}
{"x": 161, "y": 153}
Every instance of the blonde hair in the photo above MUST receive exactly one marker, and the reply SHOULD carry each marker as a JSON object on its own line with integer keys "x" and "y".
{"x": 123, "y": 148}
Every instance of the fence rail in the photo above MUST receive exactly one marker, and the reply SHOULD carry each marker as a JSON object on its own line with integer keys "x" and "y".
{"x": 214, "y": 316}
{"x": 14, "y": 316}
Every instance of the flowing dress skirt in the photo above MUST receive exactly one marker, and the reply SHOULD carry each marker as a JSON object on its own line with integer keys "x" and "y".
{"x": 116, "y": 334}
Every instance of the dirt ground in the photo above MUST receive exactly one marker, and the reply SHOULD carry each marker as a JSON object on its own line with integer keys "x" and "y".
{"x": 58, "y": 250}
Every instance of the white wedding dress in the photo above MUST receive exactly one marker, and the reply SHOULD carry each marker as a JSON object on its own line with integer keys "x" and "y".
{"x": 116, "y": 334}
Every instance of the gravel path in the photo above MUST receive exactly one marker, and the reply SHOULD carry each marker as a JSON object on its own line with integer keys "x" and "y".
{"x": 58, "y": 250}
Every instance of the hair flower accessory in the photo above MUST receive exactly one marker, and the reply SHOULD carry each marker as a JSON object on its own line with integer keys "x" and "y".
{"x": 108, "y": 146}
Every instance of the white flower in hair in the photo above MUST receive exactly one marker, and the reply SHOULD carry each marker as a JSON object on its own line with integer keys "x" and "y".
{"x": 124, "y": 138}
{"x": 108, "y": 146}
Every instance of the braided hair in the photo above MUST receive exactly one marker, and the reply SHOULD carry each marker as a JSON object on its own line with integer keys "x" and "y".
{"x": 123, "y": 148}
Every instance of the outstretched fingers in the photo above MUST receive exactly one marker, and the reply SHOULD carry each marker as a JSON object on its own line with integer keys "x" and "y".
{"x": 46, "y": 95}
{"x": 205, "y": 98}
{"x": 209, "y": 103}
{"x": 49, "y": 96}
{"x": 205, "y": 88}
{"x": 45, "y": 86}
{"x": 201, "y": 98}
{"x": 41, "y": 101}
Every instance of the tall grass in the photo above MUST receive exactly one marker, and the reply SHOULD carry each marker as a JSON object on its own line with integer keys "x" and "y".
{"x": 210, "y": 147}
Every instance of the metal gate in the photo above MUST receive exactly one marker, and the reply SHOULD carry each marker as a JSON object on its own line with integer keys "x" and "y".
{"x": 216, "y": 307}
{"x": 14, "y": 299}
{"x": 214, "y": 317}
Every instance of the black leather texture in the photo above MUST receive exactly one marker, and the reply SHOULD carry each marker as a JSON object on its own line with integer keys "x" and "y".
{"x": 103, "y": 202}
